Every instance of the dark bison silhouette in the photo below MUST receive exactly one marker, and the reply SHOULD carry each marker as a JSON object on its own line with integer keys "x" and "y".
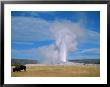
{"x": 19, "y": 68}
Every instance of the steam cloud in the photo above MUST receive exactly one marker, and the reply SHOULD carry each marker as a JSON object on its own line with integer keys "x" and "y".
{"x": 66, "y": 35}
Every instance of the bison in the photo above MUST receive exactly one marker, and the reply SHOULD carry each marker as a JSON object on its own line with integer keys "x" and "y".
{"x": 19, "y": 68}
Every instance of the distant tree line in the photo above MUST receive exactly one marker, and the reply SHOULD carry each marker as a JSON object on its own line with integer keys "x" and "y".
{"x": 17, "y": 62}
{"x": 86, "y": 61}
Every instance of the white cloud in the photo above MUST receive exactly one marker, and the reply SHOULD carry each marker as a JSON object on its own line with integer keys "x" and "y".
{"x": 93, "y": 35}
{"x": 29, "y": 29}
{"x": 90, "y": 53}
{"x": 33, "y": 29}
{"x": 90, "y": 50}
{"x": 25, "y": 43}
{"x": 30, "y": 53}
{"x": 84, "y": 56}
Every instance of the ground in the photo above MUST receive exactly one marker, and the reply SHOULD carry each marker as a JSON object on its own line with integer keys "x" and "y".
{"x": 59, "y": 71}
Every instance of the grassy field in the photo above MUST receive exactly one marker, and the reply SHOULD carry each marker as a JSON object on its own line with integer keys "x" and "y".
{"x": 59, "y": 71}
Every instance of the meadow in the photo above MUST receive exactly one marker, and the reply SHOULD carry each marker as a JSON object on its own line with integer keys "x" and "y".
{"x": 59, "y": 71}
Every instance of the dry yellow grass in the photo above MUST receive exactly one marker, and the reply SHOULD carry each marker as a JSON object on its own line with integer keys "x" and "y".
{"x": 59, "y": 71}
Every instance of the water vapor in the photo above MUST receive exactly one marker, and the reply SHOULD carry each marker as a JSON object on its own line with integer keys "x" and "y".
{"x": 66, "y": 35}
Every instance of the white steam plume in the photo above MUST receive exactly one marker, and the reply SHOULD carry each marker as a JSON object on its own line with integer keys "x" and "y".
{"x": 66, "y": 35}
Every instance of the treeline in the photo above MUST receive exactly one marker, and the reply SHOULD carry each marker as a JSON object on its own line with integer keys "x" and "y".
{"x": 15, "y": 62}
{"x": 86, "y": 61}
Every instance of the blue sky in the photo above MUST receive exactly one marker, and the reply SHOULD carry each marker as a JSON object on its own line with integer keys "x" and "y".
{"x": 30, "y": 31}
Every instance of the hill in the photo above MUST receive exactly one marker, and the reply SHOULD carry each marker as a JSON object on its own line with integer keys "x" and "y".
{"x": 86, "y": 61}
{"x": 23, "y": 61}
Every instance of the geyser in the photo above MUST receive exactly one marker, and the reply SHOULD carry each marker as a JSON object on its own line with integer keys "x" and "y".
{"x": 65, "y": 41}
{"x": 62, "y": 51}
{"x": 65, "y": 34}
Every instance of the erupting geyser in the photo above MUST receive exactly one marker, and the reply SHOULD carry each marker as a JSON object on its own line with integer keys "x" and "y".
{"x": 66, "y": 36}
{"x": 62, "y": 50}
{"x": 64, "y": 42}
